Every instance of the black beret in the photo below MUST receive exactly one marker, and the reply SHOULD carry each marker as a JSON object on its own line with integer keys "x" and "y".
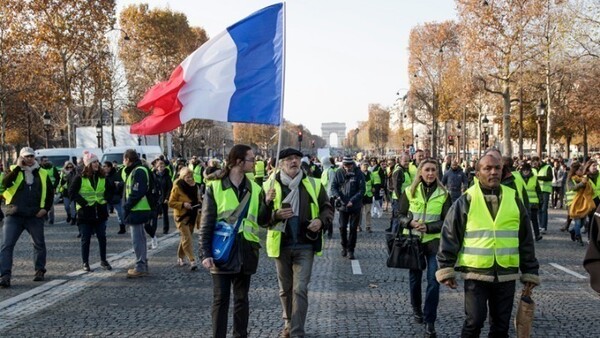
{"x": 289, "y": 152}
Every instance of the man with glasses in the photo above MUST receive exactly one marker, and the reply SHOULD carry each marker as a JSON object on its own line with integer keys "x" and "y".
{"x": 348, "y": 188}
{"x": 301, "y": 209}
{"x": 29, "y": 195}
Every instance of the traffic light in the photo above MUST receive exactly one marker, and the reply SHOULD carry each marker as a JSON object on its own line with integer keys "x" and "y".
{"x": 299, "y": 136}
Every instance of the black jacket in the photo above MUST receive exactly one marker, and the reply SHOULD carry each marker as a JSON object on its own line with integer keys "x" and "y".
{"x": 90, "y": 214}
{"x": 451, "y": 242}
{"x": 116, "y": 181}
{"x": 141, "y": 185}
{"x": 163, "y": 185}
{"x": 27, "y": 200}
{"x": 244, "y": 253}
{"x": 349, "y": 187}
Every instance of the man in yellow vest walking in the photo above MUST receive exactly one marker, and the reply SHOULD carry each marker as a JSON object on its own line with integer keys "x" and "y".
{"x": 544, "y": 175}
{"x": 29, "y": 195}
{"x": 300, "y": 210}
{"x": 487, "y": 237}
{"x": 136, "y": 209}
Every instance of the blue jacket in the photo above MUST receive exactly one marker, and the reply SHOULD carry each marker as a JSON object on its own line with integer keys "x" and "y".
{"x": 455, "y": 181}
{"x": 349, "y": 187}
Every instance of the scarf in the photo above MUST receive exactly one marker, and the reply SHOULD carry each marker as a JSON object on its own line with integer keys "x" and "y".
{"x": 28, "y": 170}
{"x": 293, "y": 198}
{"x": 190, "y": 191}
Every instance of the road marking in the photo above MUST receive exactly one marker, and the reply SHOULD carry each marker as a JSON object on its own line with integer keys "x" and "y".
{"x": 356, "y": 267}
{"x": 570, "y": 272}
{"x": 16, "y": 308}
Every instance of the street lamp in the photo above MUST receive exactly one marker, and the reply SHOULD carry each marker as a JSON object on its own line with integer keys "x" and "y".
{"x": 47, "y": 122}
{"x": 459, "y": 127}
{"x": 430, "y": 143}
{"x": 99, "y": 135}
{"x": 181, "y": 139}
{"x": 139, "y": 140}
{"x": 540, "y": 113}
{"x": 202, "y": 145}
{"x": 224, "y": 144}
{"x": 416, "y": 142}
{"x": 485, "y": 123}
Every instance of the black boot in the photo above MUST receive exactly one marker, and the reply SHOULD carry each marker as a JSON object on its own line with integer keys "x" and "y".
{"x": 121, "y": 229}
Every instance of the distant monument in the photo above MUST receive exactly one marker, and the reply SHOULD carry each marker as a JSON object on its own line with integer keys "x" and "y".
{"x": 338, "y": 128}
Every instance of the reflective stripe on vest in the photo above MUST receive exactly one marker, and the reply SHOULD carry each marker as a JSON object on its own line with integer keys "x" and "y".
{"x": 520, "y": 184}
{"x": 142, "y": 204}
{"x": 9, "y": 193}
{"x": 570, "y": 194}
{"x": 426, "y": 211}
{"x": 274, "y": 233}
{"x": 531, "y": 193}
{"x": 259, "y": 169}
{"x": 487, "y": 240}
{"x": 91, "y": 195}
{"x": 368, "y": 187}
{"x": 545, "y": 186}
{"x": 227, "y": 201}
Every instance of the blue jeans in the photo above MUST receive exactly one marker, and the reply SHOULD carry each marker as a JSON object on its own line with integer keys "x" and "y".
{"x": 577, "y": 226}
{"x": 395, "y": 210}
{"x": 87, "y": 229}
{"x": 11, "y": 231}
{"x": 119, "y": 208}
{"x": 138, "y": 238}
{"x": 432, "y": 293}
{"x": 294, "y": 268}
{"x": 69, "y": 206}
{"x": 543, "y": 211}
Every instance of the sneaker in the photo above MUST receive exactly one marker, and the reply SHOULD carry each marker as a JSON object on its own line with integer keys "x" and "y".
{"x": 68, "y": 218}
{"x": 344, "y": 252}
{"x": 105, "y": 265}
{"x": 133, "y": 273}
{"x": 543, "y": 230}
{"x": 4, "y": 282}
{"x": 285, "y": 333}
{"x": 193, "y": 266}
{"x": 351, "y": 255}
{"x": 539, "y": 238}
{"x": 154, "y": 243}
{"x": 39, "y": 276}
{"x": 418, "y": 316}
{"x": 86, "y": 267}
{"x": 180, "y": 262}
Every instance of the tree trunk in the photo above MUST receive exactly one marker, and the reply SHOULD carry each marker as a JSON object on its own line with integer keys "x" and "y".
{"x": 568, "y": 147}
{"x": 585, "y": 143}
{"x": 507, "y": 144}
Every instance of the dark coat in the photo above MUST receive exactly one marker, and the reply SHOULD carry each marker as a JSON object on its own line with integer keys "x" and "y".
{"x": 95, "y": 213}
{"x": 27, "y": 201}
{"x": 591, "y": 261}
{"x": 349, "y": 187}
{"x": 116, "y": 181}
{"x": 140, "y": 189}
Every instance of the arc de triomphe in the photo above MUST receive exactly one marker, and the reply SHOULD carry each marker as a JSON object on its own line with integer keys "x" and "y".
{"x": 328, "y": 128}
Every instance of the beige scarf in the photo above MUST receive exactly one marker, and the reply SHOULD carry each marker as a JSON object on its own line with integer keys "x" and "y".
{"x": 293, "y": 198}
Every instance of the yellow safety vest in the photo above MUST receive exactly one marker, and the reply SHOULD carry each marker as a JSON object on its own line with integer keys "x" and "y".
{"x": 197, "y": 172}
{"x": 570, "y": 194}
{"x": 413, "y": 169}
{"x": 91, "y": 195}
{"x": 545, "y": 186}
{"x": 226, "y": 201}
{"x": 530, "y": 187}
{"x": 1, "y": 186}
{"x": 274, "y": 233}
{"x": 50, "y": 173}
{"x": 325, "y": 176}
{"x": 490, "y": 240}
{"x": 142, "y": 204}
{"x": 520, "y": 184}
{"x": 426, "y": 211}
{"x": 259, "y": 169}
{"x": 407, "y": 182}
{"x": 375, "y": 177}
{"x": 9, "y": 193}
{"x": 368, "y": 187}
{"x": 596, "y": 186}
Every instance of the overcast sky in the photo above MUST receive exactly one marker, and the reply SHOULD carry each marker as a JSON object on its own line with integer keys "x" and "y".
{"x": 342, "y": 55}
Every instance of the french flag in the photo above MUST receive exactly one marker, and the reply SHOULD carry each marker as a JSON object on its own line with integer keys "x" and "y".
{"x": 237, "y": 76}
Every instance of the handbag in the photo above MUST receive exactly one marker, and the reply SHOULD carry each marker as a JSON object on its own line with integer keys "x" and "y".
{"x": 406, "y": 252}
{"x": 583, "y": 203}
{"x": 224, "y": 235}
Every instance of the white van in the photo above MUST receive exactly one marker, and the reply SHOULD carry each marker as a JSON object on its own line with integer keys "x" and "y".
{"x": 149, "y": 153}
{"x": 58, "y": 156}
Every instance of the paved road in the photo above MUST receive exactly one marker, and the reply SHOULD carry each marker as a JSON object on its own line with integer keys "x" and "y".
{"x": 359, "y": 298}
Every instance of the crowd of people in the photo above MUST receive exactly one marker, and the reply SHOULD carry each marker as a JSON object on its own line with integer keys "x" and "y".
{"x": 478, "y": 218}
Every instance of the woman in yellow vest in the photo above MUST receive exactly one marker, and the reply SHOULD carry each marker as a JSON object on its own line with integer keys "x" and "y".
{"x": 90, "y": 193}
{"x": 422, "y": 209}
{"x": 185, "y": 202}
{"x": 222, "y": 197}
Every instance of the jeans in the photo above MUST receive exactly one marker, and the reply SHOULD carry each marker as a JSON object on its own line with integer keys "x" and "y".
{"x": 543, "y": 210}
{"x": 349, "y": 220}
{"x": 164, "y": 209}
{"x": 11, "y": 231}
{"x": 222, "y": 284}
{"x": 87, "y": 229}
{"x": 119, "y": 208}
{"x": 395, "y": 211}
{"x": 138, "y": 238}
{"x": 294, "y": 268}
{"x": 432, "y": 293}
{"x": 69, "y": 207}
{"x": 557, "y": 196}
{"x": 577, "y": 226}
{"x": 499, "y": 297}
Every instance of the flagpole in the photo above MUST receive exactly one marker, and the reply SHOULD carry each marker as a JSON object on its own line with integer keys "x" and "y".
{"x": 282, "y": 94}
